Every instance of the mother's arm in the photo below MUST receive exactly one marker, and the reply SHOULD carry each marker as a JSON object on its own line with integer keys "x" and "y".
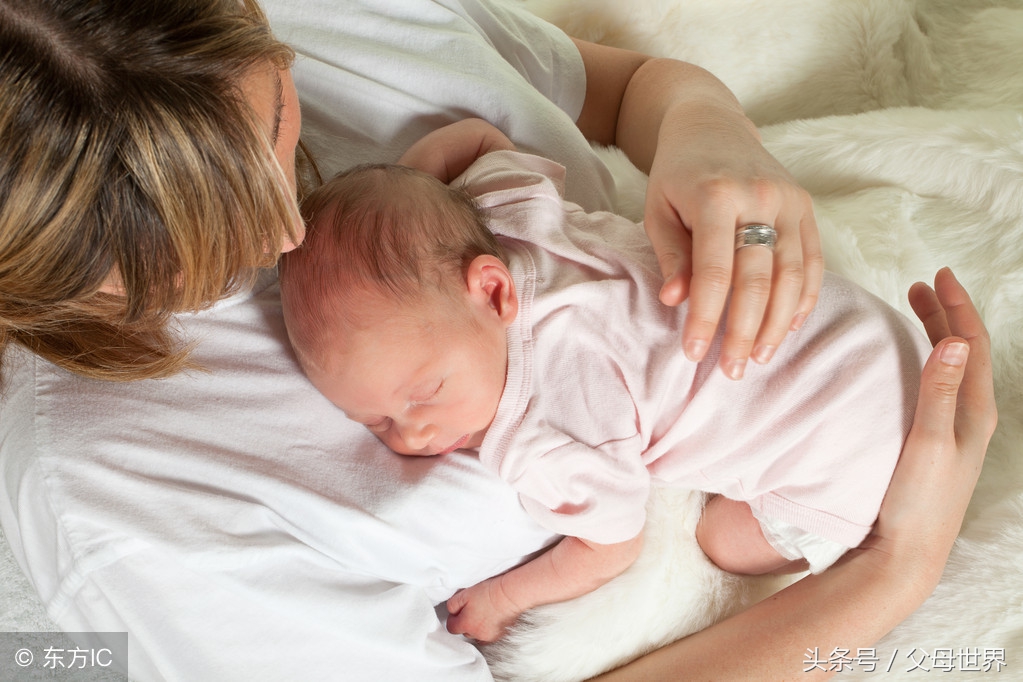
{"x": 877, "y": 585}
{"x": 709, "y": 175}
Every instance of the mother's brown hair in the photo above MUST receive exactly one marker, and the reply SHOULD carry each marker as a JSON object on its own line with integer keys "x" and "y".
{"x": 130, "y": 155}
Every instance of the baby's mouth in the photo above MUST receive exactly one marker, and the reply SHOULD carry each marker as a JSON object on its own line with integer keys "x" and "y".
{"x": 454, "y": 446}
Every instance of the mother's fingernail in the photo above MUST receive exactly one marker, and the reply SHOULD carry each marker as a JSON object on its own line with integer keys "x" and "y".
{"x": 762, "y": 354}
{"x": 671, "y": 291}
{"x": 954, "y": 354}
{"x": 696, "y": 349}
{"x": 797, "y": 322}
{"x": 735, "y": 369}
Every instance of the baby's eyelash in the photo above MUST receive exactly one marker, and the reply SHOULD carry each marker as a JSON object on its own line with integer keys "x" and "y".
{"x": 414, "y": 403}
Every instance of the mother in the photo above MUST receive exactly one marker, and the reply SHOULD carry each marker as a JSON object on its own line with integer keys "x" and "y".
{"x": 217, "y": 504}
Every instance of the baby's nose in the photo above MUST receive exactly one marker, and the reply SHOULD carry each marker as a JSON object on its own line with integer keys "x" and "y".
{"x": 416, "y": 436}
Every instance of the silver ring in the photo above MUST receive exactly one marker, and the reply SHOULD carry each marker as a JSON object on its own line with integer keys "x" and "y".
{"x": 756, "y": 235}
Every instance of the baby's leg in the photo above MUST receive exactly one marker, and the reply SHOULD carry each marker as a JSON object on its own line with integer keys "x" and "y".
{"x": 731, "y": 537}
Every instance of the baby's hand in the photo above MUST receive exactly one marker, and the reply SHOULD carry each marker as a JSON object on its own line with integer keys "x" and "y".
{"x": 447, "y": 152}
{"x": 482, "y": 612}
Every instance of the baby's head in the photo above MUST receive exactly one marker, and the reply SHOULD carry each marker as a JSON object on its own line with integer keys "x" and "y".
{"x": 397, "y": 304}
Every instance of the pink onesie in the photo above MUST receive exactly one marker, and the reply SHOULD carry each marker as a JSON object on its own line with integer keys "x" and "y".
{"x": 600, "y": 402}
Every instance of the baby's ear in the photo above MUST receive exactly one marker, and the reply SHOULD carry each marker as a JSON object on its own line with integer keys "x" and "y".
{"x": 492, "y": 289}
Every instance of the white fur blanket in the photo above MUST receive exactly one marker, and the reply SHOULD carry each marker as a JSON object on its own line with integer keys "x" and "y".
{"x": 903, "y": 119}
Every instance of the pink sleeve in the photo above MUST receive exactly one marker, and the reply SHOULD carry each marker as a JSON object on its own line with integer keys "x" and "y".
{"x": 597, "y": 494}
{"x": 506, "y": 177}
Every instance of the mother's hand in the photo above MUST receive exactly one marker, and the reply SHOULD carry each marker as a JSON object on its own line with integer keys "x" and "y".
{"x": 709, "y": 176}
{"x": 705, "y": 183}
{"x": 955, "y": 419}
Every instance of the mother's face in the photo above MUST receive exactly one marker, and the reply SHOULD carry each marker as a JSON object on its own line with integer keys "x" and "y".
{"x": 271, "y": 94}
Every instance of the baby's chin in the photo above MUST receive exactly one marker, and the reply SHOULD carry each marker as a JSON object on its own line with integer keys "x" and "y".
{"x": 475, "y": 440}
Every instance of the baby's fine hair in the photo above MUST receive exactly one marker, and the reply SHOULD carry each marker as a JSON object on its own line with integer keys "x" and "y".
{"x": 381, "y": 229}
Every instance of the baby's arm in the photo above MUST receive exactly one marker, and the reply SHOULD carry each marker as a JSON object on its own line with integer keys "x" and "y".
{"x": 571, "y": 569}
{"x": 731, "y": 537}
{"x": 447, "y": 152}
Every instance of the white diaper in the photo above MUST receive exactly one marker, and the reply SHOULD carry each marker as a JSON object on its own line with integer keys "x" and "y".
{"x": 795, "y": 543}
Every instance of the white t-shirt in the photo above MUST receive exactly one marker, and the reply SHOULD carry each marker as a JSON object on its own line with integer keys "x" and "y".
{"x": 599, "y": 400}
{"x": 232, "y": 521}
{"x": 375, "y": 76}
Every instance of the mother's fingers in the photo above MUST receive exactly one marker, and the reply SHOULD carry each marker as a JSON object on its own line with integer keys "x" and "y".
{"x": 788, "y": 282}
{"x": 928, "y": 308}
{"x": 673, "y": 246}
{"x": 939, "y": 389}
{"x": 813, "y": 268}
{"x": 933, "y": 481}
{"x": 770, "y": 289}
{"x": 978, "y": 415}
{"x": 945, "y": 447}
{"x": 751, "y": 292}
{"x": 692, "y": 226}
{"x": 797, "y": 270}
{"x": 963, "y": 318}
{"x": 948, "y": 310}
{"x": 711, "y": 282}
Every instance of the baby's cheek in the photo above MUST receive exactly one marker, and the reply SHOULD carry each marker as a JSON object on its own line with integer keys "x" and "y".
{"x": 388, "y": 439}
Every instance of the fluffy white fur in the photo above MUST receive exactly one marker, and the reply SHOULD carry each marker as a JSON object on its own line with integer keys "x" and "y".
{"x": 903, "y": 119}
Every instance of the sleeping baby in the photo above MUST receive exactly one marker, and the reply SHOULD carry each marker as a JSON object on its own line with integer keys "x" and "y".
{"x": 489, "y": 314}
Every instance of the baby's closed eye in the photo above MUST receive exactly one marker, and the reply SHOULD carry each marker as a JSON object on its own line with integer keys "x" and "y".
{"x": 425, "y": 395}
{"x": 375, "y": 424}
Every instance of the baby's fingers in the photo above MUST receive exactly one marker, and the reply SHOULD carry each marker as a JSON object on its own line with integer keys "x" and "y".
{"x": 457, "y": 602}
